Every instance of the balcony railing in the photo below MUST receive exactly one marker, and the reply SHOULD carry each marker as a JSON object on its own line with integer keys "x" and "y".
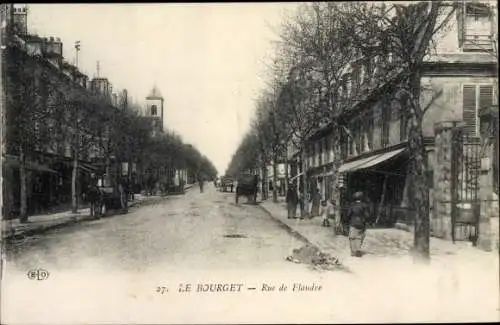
{"x": 476, "y": 43}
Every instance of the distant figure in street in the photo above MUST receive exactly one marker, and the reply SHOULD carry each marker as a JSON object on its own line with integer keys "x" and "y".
{"x": 315, "y": 202}
{"x": 358, "y": 215}
{"x": 200, "y": 183}
{"x": 292, "y": 199}
{"x": 326, "y": 212}
{"x": 302, "y": 200}
{"x": 94, "y": 197}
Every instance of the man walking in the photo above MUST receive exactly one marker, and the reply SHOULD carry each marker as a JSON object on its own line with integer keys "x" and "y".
{"x": 358, "y": 214}
{"x": 292, "y": 199}
{"x": 200, "y": 183}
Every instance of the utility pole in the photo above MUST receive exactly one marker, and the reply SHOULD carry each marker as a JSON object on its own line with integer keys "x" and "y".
{"x": 97, "y": 69}
{"x": 77, "y": 48}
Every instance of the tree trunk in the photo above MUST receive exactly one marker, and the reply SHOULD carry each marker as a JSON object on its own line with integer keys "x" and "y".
{"x": 419, "y": 191}
{"x": 305, "y": 195}
{"x": 264, "y": 182}
{"x": 275, "y": 179}
{"x": 74, "y": 179}
{"x": 23, "y": 213}
{"x": 337, "y": 162}
{"x": 287, "y": 177}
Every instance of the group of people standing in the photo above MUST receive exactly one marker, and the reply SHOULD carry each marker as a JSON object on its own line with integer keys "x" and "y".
{"x": 357, "y": 217}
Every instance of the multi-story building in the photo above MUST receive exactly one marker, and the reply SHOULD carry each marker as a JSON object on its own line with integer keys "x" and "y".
{"x": 38, "y": 119}
{"x": 460, "y": 77}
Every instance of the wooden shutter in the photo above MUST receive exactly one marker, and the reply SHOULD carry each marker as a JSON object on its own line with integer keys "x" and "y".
{"x": 485, "y": 96}
{"x": 469, "y": 109}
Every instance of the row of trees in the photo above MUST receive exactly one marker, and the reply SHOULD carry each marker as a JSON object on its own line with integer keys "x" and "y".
{"x": 312, "y": 84}
{"x": 50, "y": 112}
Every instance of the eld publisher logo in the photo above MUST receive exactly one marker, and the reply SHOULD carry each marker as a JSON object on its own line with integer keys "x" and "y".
{"x": 38, "y": 274}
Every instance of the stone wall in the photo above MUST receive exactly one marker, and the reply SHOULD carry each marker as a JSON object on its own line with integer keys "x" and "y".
{"x": 488, "y": 194}
{"x": 441, "y": 216}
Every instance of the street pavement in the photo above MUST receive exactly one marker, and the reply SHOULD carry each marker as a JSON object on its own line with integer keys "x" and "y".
{"x": 114, "y": 269}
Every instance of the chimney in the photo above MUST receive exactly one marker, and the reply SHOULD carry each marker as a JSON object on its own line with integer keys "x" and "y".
{"x": 53, "y": 46}
{"x": 20, "y": 19}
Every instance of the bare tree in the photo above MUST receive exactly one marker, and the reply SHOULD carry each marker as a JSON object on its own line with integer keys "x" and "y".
{"x": 405, "y": 31}
{"x": 272, "y": 127}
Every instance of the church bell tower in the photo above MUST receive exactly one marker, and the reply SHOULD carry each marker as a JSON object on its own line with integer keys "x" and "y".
{"x": 154, "y": 109}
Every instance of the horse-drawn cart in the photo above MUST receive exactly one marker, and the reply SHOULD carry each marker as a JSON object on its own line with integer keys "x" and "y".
{"x": 113, "y": 194}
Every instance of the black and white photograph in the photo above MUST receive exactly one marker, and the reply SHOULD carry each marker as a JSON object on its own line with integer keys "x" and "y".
{"x": 249, "y": 162}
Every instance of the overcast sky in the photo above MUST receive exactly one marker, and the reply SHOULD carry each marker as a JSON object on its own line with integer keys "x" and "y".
{"x": 208, "y": 60}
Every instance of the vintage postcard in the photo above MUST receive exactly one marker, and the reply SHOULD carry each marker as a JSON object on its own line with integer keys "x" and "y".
{"x": 196, "y": 163}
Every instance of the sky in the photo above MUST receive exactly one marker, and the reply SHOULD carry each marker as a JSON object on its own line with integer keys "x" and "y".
{"x": 208, "y": 60}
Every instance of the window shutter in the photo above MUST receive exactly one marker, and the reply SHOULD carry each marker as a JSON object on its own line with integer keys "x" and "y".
{"x": 469, "y": 109}
{"x": 485, "y": 96}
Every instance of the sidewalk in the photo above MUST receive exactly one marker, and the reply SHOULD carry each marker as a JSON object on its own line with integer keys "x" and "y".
{"x": 378, "y": 242}
{"x": 40, "y": 223}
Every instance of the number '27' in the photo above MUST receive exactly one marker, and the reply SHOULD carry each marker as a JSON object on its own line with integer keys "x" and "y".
{"x": 161, "y": 290}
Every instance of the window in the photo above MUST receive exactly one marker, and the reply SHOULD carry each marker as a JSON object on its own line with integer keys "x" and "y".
{"x": 328, "y": 148}
{"x": 154, "y": 110}
{"x": 351, "y": 140}
{"x": 362, "y": 75}
{"x": 356, "y": 77}
{"x": 386, "y": 109}
{"x": 403, "y": 131}
{"x": 370, "y": 68}
{"x": 348, "y": 87}
{"x": 359, "y": 136}
{"x": 320, "y": 152}
{"x": 475, "y": 97}
{"x": 476, "y": 28}
{"x": 395, "y": 110}
{"x": 369, "y": 131}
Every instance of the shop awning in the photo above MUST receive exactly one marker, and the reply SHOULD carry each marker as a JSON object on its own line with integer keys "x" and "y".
{"x": 88, "y": 168}
{"x": 369, "y": 161}
{"x": 294, "y": 177}
{"x": 31, "y": 165}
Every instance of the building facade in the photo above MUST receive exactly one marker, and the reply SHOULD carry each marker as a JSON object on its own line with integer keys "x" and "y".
{"x": 459, "y": 79}
{"x": 40, "y": 121}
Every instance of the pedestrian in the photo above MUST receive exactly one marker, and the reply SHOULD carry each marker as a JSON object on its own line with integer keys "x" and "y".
{"x": 200, "y": 183}
{"x": 302, "y": 200}
{"x": 324, "y": 213}
{"x": 292, "y": 199}
{"x": 315, "y": 202}
{"x": 358, "y": 215}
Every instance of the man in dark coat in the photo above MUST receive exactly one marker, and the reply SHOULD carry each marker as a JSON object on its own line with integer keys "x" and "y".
{"x": 94, "y": 197}
{"x": 358, "y": 215}
{"x": 292, "y": 199}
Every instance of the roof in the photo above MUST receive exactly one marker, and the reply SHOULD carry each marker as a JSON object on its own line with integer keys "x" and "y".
{"x": 154, "y": 94}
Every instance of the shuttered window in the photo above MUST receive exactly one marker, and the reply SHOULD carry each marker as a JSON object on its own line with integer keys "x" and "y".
{"x": 485, "y": 96}
{"x": 469, "y": 113}
{"x": 475, "y": 97}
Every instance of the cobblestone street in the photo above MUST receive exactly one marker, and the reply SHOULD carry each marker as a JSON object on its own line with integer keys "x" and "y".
{"x": 203, "y": 238}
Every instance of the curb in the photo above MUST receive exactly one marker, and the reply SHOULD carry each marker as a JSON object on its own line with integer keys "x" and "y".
{"x": 292, "y": 231}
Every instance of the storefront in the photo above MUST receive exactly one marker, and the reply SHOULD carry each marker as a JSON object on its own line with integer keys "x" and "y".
{"x": 382, "y": 179}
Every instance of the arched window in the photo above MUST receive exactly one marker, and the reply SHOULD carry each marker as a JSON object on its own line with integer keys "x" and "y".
{"x": 154, "y": 110}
